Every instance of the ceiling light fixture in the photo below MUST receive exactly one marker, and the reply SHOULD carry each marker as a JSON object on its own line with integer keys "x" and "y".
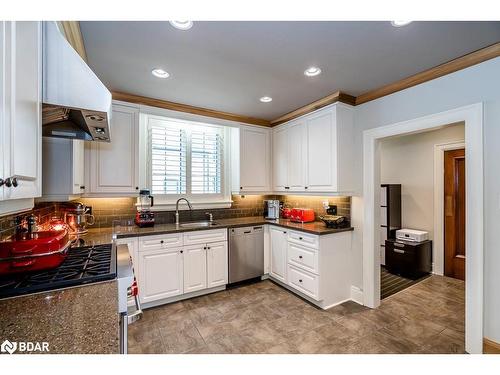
{"x": 312, "y": 71}
{"x": 400, "y": 23}
{"x": 182, "y": 25}
{"x": 266, "y": 99}
{"x": 160, "y": 73}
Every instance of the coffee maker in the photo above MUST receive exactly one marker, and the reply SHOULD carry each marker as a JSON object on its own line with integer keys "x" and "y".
{"x": 272, "y": 209}
{"x": 144, "y": 217}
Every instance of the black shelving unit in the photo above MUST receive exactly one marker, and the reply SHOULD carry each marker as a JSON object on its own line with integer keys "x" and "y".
{"x": 390, "y": 214}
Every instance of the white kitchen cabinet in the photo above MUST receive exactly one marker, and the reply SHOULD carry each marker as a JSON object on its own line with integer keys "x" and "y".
{"x": 280, "y": 159}
{"x": 217, "y": 264}
{"x": 160, "y": 274}
{"x": 62, "y": 169}
{"x": 195, "y": 268}
{"x": 113, "y": 168}
{"x": 252, "y": 167}
{"x": 314, "y": 153}
{"x": 278, "y": 257}
{"x": 296, "y": 157}
{"x": 20, "y": 114}
{"x": 329, "y": 150}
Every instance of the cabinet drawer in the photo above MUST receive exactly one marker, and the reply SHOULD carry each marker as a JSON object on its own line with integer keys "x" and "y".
{"x": 205, "y": 236}
{"x": 304, "y": 239}
{"x": 304, "y": 282}
{"x": 303, "y": 257}
{"x": 163, "y": 241}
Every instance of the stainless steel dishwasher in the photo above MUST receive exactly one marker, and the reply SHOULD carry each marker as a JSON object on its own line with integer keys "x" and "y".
{"x": 246, "y": 253}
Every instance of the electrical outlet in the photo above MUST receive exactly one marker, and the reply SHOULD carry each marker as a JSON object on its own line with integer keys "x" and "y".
{"x": 326, "y": 204}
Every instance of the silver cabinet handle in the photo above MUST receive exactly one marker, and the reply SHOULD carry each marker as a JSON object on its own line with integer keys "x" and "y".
{"x": 399, "y": 251}
{"x": 400, "y": 245}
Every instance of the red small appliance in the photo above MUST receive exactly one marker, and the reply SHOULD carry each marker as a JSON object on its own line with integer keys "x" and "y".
{"x": 302, "y": 215}
{"x": 144, "y": 217}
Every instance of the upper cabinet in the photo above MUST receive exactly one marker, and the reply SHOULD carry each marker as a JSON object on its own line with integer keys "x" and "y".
{"x": 289, "y": 157}
{"x": 113, "y": 168}
{"x": 62, "y": 169}
{"x": 20, "y": 114}
{"x": 252, "y": 160}
{"x": 314, "y": 153}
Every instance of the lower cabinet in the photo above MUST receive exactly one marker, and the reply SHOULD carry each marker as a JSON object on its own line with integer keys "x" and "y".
{"x": 160, "y": 274}
{"x": 195, "y": 268}
{"x": 217, "y": 264}
{"x": 314, "y": 266}
{"x": 168, "y": 271}
{"x": 279, "y": 245}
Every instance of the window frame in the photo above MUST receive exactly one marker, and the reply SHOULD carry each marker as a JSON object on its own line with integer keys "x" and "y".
{"x": 164, "y": 202}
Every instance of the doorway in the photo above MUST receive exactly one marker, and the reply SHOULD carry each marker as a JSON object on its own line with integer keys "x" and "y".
{"x": 472, "y": 116}
{"x": 454, "y": 214}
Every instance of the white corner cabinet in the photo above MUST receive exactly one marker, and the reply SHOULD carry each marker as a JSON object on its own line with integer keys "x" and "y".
{"x": 112, "y": 169}
{"x": 314, "y": 153}
{"x": 20, "y": 114}
{"x": 176, "y": 266}
{"x": 251, "y": 159}
{"x": 315, "y": 267}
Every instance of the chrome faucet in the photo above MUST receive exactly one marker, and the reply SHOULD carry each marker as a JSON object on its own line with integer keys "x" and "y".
{"x": 177, "y": 208}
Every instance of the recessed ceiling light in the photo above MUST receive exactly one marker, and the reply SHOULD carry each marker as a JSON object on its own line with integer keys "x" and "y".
{"x": 266, "y": 99}
{"x": 160, "y": 73}
{"x": 182, "y": 25}
{"x": 400, "y": 23}
{"x": 312, "y": 71}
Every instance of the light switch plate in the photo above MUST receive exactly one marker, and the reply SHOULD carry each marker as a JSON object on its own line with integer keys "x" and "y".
{"x": 326, "y": 204}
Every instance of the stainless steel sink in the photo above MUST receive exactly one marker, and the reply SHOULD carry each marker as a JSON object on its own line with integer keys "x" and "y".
{"x": 198, "y": 224}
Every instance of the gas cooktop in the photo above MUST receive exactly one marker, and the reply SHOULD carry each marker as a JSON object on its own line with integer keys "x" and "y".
{"x": 83, "y": 265}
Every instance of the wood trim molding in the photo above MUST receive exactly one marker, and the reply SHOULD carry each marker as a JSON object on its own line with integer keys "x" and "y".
{"x": 490, "y": 346}
{"x": 323, "y": 102}
{"x": 459, "y": 63}
{"x": 137, "y": 99}
{"x": 73, "y": 34}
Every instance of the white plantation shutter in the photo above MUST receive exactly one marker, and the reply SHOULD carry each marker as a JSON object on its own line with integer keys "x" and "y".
{"x": 206, "y": 154}
{"x": 168, "y": 158}
{"x": 185, "y": 158}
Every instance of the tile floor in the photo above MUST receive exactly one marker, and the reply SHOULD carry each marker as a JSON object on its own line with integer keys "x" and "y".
{"x": 265, "y": 318}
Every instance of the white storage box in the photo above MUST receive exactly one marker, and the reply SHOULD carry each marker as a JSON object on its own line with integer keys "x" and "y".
{"x": 412, "y": 235}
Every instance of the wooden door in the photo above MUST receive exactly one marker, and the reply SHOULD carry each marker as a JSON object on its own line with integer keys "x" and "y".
{"x": 454, "y": 214}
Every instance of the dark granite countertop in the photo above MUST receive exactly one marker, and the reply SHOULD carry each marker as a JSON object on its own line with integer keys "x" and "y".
{"x": 78, "y": 320}
{"x": 315, "y": 227}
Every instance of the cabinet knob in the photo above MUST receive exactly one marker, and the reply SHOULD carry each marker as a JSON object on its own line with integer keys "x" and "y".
{"x": 2, "y": 182}
{"x": 300, "y": 280}
{"x": 14, "y": 182}
{"x": 241, "y": 187}
{"x": 137, "y": 188}
{"x": 182, "y": 251}
{"x": 204, "y": 248}
{"x": 300, "y": 238}
{"x": 284, "y": 231}
{"x": 300, "y": 256}
{"x": 82, "y": 187}
{"x": 10, "y": 182}
{"x": 305, "y": 187}
{"x": 162, "y": 241}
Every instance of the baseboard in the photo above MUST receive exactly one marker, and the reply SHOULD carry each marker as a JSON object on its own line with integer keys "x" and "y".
{"x": 490, "y": 346}
{"x": 356, "y": 294}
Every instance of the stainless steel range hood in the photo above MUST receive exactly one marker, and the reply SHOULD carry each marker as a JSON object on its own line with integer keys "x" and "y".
{"x": 75, "y": 102}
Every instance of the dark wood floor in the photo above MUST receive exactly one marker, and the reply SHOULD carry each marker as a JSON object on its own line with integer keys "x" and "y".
{"x": 264, "y": 318}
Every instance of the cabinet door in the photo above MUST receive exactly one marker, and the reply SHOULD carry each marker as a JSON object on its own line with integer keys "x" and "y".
{"x": 160, "y": 274}
{"x": 217, "y": 264}
{"x": 296, "y": 156}
{"x": 3, "y": 108}
{"x": 22, "y": 140}
{"x": 278, "y": 254}
{"x": 321, "y": 152}
{"x": 254, "y": 159}
{"x": 78, "y": 166}
{"x": 114, "y": 166}
{"x": 195, "y": 268}
{"x": 280, "y": 159}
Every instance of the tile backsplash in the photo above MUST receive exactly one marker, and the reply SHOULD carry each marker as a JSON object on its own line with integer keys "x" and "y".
{"x": 106, "y": 210}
